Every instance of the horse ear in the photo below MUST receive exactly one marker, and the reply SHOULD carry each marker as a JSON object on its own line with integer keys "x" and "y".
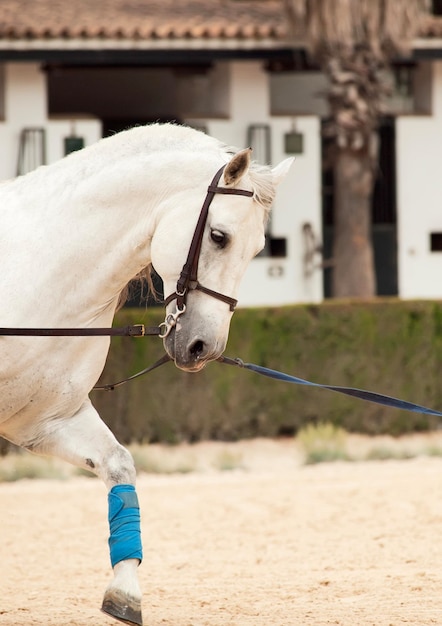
{"x": 237, "y": 167}
{"x": 280, "y": 171}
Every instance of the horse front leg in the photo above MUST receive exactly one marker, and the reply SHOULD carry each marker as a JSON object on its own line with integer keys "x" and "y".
{"x": 85, "y": 441}
{"x": 122, "y": 598}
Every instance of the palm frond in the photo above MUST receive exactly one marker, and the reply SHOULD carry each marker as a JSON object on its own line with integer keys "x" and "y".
{"x": 385, "y": 27}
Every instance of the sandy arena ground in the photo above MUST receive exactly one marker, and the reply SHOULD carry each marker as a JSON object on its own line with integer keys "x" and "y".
{"x": 277, "y": 544}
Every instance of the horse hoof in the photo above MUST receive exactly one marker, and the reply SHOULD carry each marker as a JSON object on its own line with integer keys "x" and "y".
{"x": 122, "y": 607}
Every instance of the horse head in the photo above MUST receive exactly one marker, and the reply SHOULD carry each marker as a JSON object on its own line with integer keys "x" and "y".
{"x": 204, "y": 270}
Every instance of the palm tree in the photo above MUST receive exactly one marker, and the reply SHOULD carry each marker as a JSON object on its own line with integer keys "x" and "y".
{"x": 354, "y": 41}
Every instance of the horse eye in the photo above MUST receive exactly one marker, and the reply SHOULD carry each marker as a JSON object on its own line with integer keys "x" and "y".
{"x": 218, "y": 237}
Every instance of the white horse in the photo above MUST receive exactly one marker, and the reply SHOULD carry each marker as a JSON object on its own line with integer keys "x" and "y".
{"x": 72, "y": 235}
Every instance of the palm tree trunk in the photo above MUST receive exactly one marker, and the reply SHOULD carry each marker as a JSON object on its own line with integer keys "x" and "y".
{"x": 353, "y": 269}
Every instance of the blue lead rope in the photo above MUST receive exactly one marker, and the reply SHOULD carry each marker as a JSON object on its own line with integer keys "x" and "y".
{"x": 362, "y": 394}
{"x": 369, "y": 396}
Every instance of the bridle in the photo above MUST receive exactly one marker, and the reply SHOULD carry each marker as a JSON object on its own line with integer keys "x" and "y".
{"x": 188, "y": 280}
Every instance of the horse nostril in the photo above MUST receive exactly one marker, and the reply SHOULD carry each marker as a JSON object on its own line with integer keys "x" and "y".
{"x": 197, "y": 349}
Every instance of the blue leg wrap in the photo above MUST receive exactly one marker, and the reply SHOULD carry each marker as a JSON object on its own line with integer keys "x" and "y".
{"x": 124, "y": 524}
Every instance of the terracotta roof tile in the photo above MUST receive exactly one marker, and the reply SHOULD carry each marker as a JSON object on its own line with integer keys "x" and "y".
{"x": 141, "y": 19}
{"x": 151, "y": 20}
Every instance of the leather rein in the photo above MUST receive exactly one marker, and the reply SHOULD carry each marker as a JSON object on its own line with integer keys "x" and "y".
{"x": 187, "y": 281}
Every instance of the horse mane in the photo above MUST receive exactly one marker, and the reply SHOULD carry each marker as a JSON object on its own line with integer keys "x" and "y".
{"x": 263, "y": 187}
{"x": 145, "y": 279}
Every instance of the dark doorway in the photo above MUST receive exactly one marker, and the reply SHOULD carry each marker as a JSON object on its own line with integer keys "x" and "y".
{"x": 384, "y": 222}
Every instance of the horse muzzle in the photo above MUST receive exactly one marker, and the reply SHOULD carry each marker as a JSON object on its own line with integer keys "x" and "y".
{"x": 192, "y": 353}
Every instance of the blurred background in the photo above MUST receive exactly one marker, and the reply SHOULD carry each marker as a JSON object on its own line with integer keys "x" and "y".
{"x": 353, "y": 90}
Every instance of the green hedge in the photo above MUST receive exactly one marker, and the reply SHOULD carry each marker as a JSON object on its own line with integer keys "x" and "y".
{"x": 387, "y": 346}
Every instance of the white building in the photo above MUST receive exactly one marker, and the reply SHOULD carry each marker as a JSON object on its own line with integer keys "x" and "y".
{"x": 79, "y": 76}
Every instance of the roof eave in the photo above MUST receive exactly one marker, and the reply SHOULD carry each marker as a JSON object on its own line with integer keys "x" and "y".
{"x": 142, "y": 44}
{"x": 167, "y": 50}
{"x": 94, "y": 52}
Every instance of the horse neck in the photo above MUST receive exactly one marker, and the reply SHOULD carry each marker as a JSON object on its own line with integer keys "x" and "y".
{"x": 79, "y": 241}
{"x": 113, "y": 226}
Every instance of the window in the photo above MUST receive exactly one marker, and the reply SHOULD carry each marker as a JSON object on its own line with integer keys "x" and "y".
{"x": 436, "y": 242}
{"x": 437, "y": 7}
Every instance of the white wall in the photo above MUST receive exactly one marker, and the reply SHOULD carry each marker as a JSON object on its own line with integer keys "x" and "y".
{"x": 419, "y": 196}
{"x": 277, "y": 281}
{"x": 25, "y": 104}
{"x": 246, "y": 100}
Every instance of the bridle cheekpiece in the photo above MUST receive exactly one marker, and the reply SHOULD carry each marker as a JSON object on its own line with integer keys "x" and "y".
{"x": 188, "y": 279}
